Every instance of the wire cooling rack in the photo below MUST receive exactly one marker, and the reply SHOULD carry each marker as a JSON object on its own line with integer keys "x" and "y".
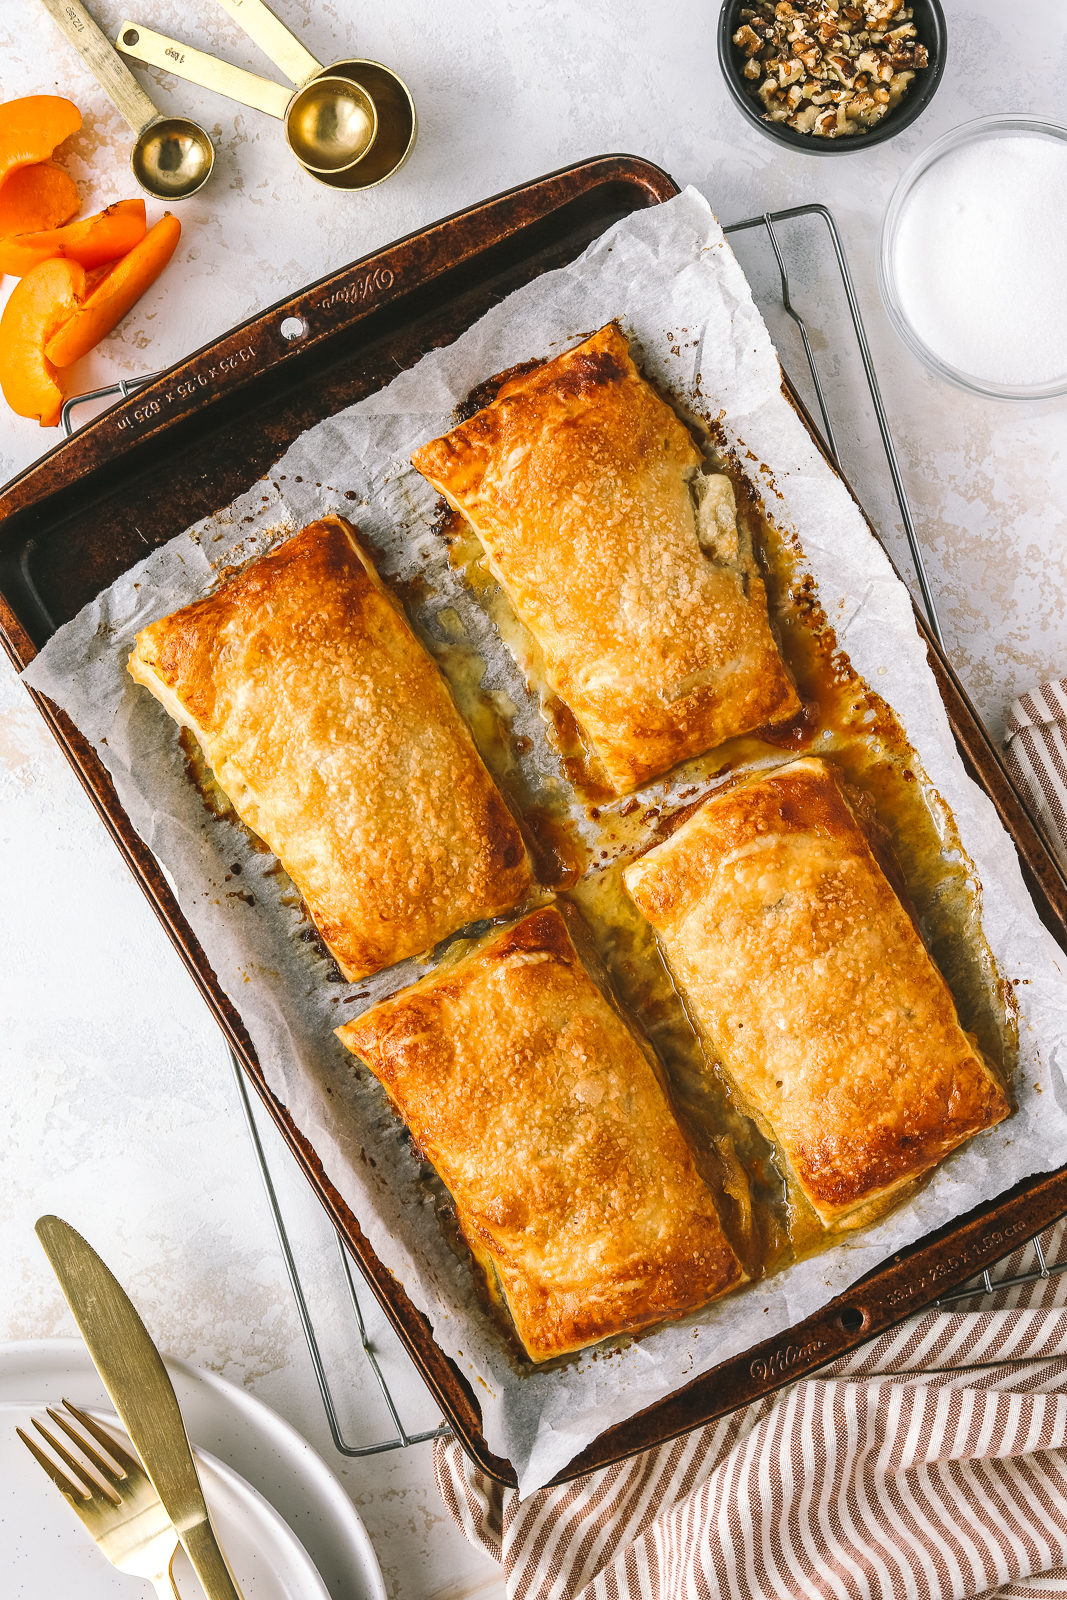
{"x": 986, "y": 1284}
{"x": 402, "y": 1438}
{"x": 767, "y": 222}
{"x": 124, "y": 388}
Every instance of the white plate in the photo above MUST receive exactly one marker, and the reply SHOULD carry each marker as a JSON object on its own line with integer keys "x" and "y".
{"x": 295, "y": 1533}
{"x": 53, "y": 1554}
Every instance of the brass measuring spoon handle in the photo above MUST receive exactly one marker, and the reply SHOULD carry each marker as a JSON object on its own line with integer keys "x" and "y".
{"x": 106, "y": 66}
{"x": 274, "y": 39}
{"x": 195, "y": 66}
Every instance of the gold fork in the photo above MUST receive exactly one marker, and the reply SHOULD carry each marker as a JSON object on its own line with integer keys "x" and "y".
{"x": 126, "y": 1518}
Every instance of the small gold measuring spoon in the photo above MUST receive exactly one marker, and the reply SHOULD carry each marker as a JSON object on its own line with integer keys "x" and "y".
{"x": 397, "y": 123}
{"x": 171, "y": 157}
{"x": 330, "y": 124}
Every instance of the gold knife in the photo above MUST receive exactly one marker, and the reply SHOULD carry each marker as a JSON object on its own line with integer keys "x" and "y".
{"x": 141, "y": 1391}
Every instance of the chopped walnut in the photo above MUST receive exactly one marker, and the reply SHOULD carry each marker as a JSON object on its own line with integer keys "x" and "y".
{"x": 880, "y": 13}
{"x": 810, "y": 56}
{"x": 877, "y": 63}
{"x": 845, "y": 69}
{"x": 831, "y": 68}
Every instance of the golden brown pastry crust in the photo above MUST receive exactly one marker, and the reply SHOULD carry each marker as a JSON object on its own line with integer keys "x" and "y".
{"x": 582, "y": 486}
{"x": 542, "y": 1114}
{"x": 815, "y": 988}
{"x": 336, "y": 739}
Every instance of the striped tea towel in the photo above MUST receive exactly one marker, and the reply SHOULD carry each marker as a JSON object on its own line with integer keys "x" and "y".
{"x": 931, "y": 1462}
{"x": 1037, "y": 759}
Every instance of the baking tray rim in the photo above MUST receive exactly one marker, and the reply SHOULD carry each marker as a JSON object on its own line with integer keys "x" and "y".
{"x": 956, "y": 1253}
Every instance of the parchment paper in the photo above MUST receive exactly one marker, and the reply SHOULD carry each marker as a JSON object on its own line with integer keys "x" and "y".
{"x": 670, "y": 278}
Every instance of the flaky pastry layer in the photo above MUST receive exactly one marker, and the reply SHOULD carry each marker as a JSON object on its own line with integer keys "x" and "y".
{"x": 540, "y": 1111}
{"x": 622, "y": 560}
{"x": 336, "y": 739}
{"x": 815, "y": 988}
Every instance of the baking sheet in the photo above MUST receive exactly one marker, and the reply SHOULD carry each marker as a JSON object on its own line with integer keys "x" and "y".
{"x": 670, "y": 278}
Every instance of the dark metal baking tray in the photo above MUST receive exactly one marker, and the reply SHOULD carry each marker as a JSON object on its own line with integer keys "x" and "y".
{"x": 202, "y": 433}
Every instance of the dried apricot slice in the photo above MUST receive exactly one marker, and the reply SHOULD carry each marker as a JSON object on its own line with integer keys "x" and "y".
{"x": 31, "y": 128}
{"x": 46, "y": 298}
{"x": 37, "y": 197}
{"x": 115, "y": 294}
{"x": 111, "y": 233}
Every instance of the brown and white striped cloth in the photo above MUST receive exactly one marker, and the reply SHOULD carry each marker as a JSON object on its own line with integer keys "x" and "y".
{"x": 930, "y": 1463}
{"x": 1037, "y": 758}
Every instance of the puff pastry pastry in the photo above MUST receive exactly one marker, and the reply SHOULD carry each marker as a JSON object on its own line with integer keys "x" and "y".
{"x": 623, "y": 561}
{"x": 572, "y": 1182}
{"x": 336, "y": 739}
{"x": 816, "y": 990}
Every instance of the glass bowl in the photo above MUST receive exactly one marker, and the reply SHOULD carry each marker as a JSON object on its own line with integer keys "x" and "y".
{"x": 897, "y": 239}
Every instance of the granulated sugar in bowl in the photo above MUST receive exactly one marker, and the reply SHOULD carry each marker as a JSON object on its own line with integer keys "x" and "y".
{"x": 973, "y": 258}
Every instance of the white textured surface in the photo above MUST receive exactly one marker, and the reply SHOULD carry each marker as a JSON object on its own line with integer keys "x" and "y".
{"x": 117, "y": 1106}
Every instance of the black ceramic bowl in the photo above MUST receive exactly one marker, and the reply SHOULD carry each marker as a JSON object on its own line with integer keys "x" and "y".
{"x": 929, "y": 25}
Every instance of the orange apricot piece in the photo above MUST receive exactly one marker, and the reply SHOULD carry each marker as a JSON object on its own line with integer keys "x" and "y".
{"x": 113, "y": 296}
{"x": 106, "y": 236}
{"x": 46, "y": 298}
{"x": 95, "y": 276}
{"x": 37, "y": 197}
{"x": 31, "y": 128}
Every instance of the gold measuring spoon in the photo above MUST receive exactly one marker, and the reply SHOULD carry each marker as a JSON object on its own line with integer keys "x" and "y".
{"x": 397, "y": 123}
{"x": 171, "y": 157}
{"x": 330, "y": 124}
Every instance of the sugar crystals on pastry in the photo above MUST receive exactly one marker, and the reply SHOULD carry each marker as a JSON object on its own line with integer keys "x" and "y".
{"x": 336, "y": 739}
{"x": 543, "y": 1116}
{"x": 807, "y": 974}
{"x": 624, "y": 560}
